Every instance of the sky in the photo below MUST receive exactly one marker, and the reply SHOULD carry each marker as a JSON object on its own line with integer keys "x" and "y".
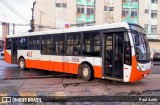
{"x": 22, "y": 7}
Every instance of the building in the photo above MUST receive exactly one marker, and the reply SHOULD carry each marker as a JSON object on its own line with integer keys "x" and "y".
{"x": 51, "y": 14}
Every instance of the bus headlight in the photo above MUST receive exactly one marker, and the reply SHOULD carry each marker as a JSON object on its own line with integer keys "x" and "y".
{"x": 139, "y": 68}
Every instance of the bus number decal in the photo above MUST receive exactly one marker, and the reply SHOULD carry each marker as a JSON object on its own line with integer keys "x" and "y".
{"x": 75, "y": 59}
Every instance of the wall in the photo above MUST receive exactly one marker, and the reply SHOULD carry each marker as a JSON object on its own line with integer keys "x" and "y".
{"x": 99, "y": 12}
{"x": 45, "y": 14}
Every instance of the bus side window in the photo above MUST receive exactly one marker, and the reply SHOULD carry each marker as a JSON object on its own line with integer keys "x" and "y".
{"x": 58, "y": 44}
{"x": 73, "y": 44}
{"x": 91, "y": 43}
{"x": 46, "y": 45}
{"x": 8, "y": 45}
{"x": 34, "y": 43}
{"x": 23, "y": 43}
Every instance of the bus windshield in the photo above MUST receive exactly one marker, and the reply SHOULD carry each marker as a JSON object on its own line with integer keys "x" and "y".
{"x": 141, "y": 44}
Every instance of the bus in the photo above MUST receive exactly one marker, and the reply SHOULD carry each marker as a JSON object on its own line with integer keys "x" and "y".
{"x": 118, "y": 51}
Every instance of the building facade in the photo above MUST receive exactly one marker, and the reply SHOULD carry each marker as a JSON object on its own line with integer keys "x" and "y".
{"x": 57, "y": 14}
{"x": 61, "y": 13}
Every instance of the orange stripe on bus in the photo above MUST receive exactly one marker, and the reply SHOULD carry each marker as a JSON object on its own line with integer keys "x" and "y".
{"x": 136, "y": 74}
{"x": 97, "y": 71}
{"x": 7, "y": 57}
{"x": 60, "y": 67}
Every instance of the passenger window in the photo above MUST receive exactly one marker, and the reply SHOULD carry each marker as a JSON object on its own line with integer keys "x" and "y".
{"x": 34, "y": 43}
{"x": 46, "y": 45}
{"x": 58, "y": 44}
{"x": 23, "y": 43}
{"x": 73, "y": 44}
{"x": 8, "y": 45}
{"x": 91, "y": 43}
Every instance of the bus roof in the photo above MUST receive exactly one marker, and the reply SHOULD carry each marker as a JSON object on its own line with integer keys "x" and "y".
{"x": 68, "y": 30}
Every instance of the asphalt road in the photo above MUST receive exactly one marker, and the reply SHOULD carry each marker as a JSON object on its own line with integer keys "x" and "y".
{"x": 156, "y": 67}
{"x": 74, "y": 86}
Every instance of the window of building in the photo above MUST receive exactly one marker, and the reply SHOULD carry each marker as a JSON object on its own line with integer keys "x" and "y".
{"x": 34, "y": 43}
{"x": 146, "y": 28}
{"x": 91, "y": 44}
{"x": 153, "y": 28}
{"x": 134, "y": 14}
{"x": 125, "y": 12}
{"x": 8, "y": 45}
{"x": 154, "y": 1}
{"x": 73, "y": 44}
{"x": 61, "y": 5}
{"x": 64, "y": 5}
{"x": 154, "y": 14}
{"x": 106, "y": 8}
{"x": 46, "y": 48}
{"x": 58, "y": 4}
{"x": 111, "y": 8}
{"x": 58, "y": 44}
{"x": 90, "y": 11}
{"x": 80, "y": 10}
{"x": 23, "y": 43}
{"x": 146, "y": 11}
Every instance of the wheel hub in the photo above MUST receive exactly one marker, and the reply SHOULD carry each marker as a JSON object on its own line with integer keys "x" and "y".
{"x": 21, "y": 64}
{"x": 85, "y": 72}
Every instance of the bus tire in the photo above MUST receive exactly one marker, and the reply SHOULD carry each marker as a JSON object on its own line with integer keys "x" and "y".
{"x": 22, "y": 64}
{"x": 86, "y": 72}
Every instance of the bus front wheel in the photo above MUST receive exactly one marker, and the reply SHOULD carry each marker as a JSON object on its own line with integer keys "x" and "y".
{"x": 22, "y": 64}
{"x": 86, "y": 72}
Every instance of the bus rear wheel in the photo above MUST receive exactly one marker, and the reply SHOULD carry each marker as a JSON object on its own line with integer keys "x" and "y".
{"x": 86, "y": 72}
{"x": 22, "y": 64}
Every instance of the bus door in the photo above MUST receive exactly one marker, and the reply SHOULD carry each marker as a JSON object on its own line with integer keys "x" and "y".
{"x": 113, "y": 55}
{"x": 14, "y": 48}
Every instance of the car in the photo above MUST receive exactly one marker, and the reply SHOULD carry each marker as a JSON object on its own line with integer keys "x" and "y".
{"x": 156, "y": 56}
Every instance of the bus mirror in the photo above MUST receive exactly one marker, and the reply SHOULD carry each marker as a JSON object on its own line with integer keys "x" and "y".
{"x": 136, "y": 40}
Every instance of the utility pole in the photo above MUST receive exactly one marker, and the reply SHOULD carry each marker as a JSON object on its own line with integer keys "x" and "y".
{"x": 32, "y": 20}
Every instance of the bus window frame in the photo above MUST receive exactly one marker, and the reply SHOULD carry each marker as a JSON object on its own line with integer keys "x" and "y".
{"x": 64, "y": 42}
{"x": 29, "y": 48}
{"x": 46, "y": 44}
{"x": 20, "y": 44}
{"x": 69, "y": 44}
{"x": 100, "y": 44}
{"x": 7, "y": 44}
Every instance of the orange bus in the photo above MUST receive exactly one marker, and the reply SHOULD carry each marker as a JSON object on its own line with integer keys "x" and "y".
{"x": 118, "y": 51}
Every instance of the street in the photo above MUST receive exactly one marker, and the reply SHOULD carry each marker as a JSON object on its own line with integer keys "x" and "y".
{"x": 71, "y": 85}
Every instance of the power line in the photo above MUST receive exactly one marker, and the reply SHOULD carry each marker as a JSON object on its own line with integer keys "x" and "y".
{"x": 16, "y": 12}
{"x": 38, "y": 26}
{"x": 10, "y": 7}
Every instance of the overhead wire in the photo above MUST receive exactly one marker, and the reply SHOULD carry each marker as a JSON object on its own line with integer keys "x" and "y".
{"x": 11, "y": 8}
